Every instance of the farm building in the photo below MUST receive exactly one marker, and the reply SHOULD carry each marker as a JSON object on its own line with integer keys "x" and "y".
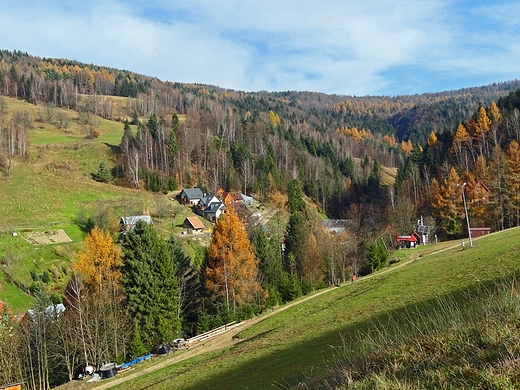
{"x": 478, "y": 232}
{"x": 410, "y": 241}
{"x": 193, "y": 225}
{"x": 128, "y": 223}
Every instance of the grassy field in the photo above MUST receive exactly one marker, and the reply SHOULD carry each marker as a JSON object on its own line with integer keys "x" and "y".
{"x": 289, "y": 347}
{"x": 53, "y": 188}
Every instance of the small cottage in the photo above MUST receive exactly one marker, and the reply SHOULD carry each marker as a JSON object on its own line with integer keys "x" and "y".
{"x": 193, "y": 225}
{"x": 479, "y": 232}
{"x": 213, "y": 212}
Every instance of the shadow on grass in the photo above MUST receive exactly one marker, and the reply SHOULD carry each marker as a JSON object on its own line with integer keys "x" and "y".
{"x": 292, "y": 367}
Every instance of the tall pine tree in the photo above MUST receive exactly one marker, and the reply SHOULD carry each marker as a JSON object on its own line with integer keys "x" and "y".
{"x": 150, "y": 283}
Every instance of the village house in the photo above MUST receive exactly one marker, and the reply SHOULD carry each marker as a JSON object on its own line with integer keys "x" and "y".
{"x": 206, "y": 201}
{"x": 213, "y": 212}
{"x": 191, "y": 196}
{"x": 193, "y": 225}
{"x": 229, "y": 197}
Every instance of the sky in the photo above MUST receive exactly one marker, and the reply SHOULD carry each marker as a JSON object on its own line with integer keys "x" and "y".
{"x": 345, "y": 47}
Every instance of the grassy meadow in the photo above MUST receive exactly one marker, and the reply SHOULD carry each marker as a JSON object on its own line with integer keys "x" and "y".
{"x": 53, "y": 189}
{"x": 302, "y": 342}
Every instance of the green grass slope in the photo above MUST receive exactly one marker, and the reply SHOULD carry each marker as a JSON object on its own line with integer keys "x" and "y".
{"x": 48, "y": 190}
{"x": 290, "y": 347}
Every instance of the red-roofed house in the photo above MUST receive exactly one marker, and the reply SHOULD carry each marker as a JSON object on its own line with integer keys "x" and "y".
{"x": 193, "y": 225}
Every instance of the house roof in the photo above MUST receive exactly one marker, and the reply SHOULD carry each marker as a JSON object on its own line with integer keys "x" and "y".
{"x": 208, "y": 198}
{"x": 231, "y": 197}
{"x": 247, "y": 199}
{"x": 195, "y": 222}
{"x": 193, "y": 193}
{"x": 12, "y": 385}
{"x": 51, "y": 309}
{"x": 132, "y": 220}
{"x": 213, "y": 207}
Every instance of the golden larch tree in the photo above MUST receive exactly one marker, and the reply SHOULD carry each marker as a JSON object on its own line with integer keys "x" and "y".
{"x": 481, "y": 129}
{"x": 406, "y": 147}
{"x": 99, "y": 261}
{"x": 432, "y": 140}
{"x": 274, "y": 118}
{"x": 459, "y": 146}
{"x": 513, "y": 159}
{"x": 448, "y": 203}
{"x": 232, "y": 272}
{"x": 312, "y": 263}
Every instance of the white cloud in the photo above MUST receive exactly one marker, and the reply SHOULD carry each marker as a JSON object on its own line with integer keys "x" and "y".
{"x": 332, "y": 46}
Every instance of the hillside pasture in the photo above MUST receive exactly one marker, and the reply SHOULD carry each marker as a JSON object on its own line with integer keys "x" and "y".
{"x": 293, "y": 345}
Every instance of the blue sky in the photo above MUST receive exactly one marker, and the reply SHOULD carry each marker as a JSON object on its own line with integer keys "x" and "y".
{"x": 369, "y": 47}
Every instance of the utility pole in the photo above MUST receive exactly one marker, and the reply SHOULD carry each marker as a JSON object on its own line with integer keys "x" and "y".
{"x": 466, "y": 211}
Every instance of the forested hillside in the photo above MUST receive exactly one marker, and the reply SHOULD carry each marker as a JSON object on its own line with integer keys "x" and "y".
{"x": 253, "y": 142}
{"x": 379, "y": 162}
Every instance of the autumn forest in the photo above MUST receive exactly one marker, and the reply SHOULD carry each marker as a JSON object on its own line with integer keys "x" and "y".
{"x": 374, "y": 161}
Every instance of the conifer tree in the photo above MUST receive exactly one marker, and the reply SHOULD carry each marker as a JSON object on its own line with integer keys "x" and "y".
{"x": 103, "y": 174}
{"x": 189, "y": 290}
{"x": 297, "y": 237}
{"x": 232, "y": 271}
{"x": 150, "y": 284}
{"x": 268, "y": 253}
{"x": 499, "y": 177}
{"x": 513, "y": 159}
{"x": 448, "y": 203}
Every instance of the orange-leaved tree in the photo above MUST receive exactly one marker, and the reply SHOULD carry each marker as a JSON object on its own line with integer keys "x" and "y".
{"x": 447, "y": 201}
{"x": 232, "y": 272}
{"x": 513, "y": 158}
{"x": 99, "y": 261}
{"x": 95, "y": 301}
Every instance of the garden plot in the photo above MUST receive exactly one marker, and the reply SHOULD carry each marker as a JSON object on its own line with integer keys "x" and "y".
{"x": 54, "y": 236}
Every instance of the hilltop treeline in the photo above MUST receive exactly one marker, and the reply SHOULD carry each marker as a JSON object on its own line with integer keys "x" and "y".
{"x": 335, "y": 146}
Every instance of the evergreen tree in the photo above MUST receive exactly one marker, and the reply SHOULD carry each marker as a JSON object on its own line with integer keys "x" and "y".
{"x": 189, "y": 285}
{"x": 376, "y": 256}
{"x": 150, "y": 283}
{"x": 295, "y": 197}
{"x": 103, "y": 174}
{"x": 297, "y": 238}
{"x": 232, "y": 271}
{"x": 270, "y": 262}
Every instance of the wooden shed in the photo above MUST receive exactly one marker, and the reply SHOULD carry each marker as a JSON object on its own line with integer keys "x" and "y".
{"x": 193, "y": 225}
{"x": 478, "y": 232}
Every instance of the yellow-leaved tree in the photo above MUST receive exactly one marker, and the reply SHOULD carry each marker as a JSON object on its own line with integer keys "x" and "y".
{"x": 232, "y": 272}
{"x": 94, "y": 301}
{"x": 513, "y": 158}
{"x": 447, "y": 201}
{"x": 99, "y": 261}
{"x": 274, "y": 119}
